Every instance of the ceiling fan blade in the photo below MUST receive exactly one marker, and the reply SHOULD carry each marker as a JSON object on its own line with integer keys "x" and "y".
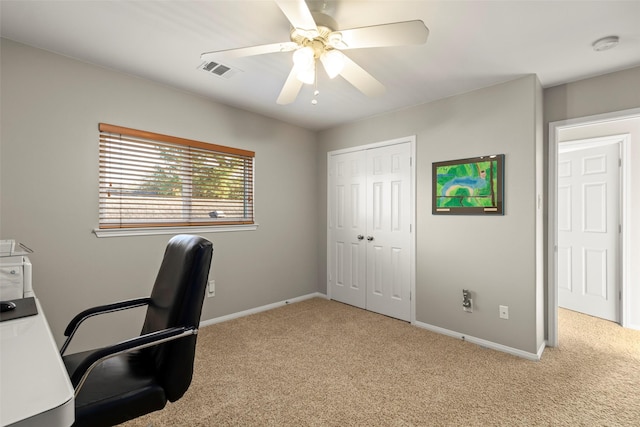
{"x": 359, "y": 78}
{"x": 291, "y": 88}
{"x": 298, "y": 13}
{"x": 394, "y": 34}
{"x": 250, "y": 51}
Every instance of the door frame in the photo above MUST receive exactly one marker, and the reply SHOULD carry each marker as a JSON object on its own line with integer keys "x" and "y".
{"x": 412, "y": 209}
{"x": 552, "y": 220}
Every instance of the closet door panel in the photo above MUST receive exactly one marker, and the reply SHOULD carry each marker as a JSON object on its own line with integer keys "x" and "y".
{"x": 388, "y": 230}
{"x": 347, "y": 226}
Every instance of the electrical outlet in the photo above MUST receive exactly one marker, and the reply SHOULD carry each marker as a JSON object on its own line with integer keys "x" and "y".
{"x": 211, "y": 289}
{"x": 469, "y": 309}
{"x": 504, "y": 312}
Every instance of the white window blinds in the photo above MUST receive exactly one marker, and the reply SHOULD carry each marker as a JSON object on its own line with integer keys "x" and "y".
{"x": 154, "y": 180}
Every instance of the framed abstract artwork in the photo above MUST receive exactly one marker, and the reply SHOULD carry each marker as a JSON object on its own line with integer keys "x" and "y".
{"x": 473, "y": 186}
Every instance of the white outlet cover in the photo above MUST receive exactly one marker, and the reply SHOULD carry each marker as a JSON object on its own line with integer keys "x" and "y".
{"x": 504, "y": 312}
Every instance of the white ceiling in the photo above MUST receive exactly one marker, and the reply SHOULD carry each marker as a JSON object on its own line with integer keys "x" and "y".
{"x": 472, "y": 44}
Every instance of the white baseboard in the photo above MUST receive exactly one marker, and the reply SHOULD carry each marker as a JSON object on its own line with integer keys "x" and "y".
{"x": 632, "y": 326}
{"x": 541, "y": 349}
{"x": 483, "y": 343}
{"x": 260, "y": 309}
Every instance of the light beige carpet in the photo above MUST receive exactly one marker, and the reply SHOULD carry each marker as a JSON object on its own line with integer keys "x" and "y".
{"x": 323, "y": 363}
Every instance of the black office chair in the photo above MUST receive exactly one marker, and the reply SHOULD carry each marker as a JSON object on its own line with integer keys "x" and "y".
{"x": 137, "y": 376}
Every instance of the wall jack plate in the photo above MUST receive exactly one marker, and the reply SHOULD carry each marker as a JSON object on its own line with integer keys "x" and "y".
{"x": 504, "y": 312}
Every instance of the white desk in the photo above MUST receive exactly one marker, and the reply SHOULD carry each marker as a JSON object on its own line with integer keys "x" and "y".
{"x": 34, "y": 386}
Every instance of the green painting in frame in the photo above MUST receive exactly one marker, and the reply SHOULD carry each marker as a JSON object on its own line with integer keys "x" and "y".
{"x": 473, "y": 186}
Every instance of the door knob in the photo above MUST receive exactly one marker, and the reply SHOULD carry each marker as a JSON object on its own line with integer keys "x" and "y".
{"x": 360, "y": 237}
{"x": 370, "y": 238}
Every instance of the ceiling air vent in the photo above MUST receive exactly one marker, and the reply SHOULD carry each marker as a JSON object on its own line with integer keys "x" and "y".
{"x": 218, "y": 69}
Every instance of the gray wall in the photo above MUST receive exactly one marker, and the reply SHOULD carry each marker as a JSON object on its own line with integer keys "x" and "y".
{"x": 51, "y": 107}
{"x": 610, "y": 92}
{"x": 493, "y": 256}
{"x": 48, "y": 198}
{"x": 595, "y": 96}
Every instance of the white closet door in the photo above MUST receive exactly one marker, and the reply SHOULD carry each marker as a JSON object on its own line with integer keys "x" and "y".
{"x": 370, "y": 230}
{"x": 347, "y": 228}
{"x": 388, "y": 230}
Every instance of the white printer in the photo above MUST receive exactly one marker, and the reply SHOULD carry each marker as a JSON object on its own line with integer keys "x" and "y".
{"x": 15, "y": 271}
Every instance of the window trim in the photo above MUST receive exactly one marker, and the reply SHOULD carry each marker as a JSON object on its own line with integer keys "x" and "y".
{"x": 132, "y": 229}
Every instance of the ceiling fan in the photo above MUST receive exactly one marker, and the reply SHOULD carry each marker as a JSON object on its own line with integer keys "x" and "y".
{"x": 314, "y": 38}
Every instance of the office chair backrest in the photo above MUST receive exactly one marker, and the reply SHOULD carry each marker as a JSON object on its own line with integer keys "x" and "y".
{"x": 176, "y": 300}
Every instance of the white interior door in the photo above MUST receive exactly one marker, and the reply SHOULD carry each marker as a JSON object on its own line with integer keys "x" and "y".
{"x": 347, "y": 228}
{"x": 370, "y": 232}
{"x": 389, "y": 230}
{"x": 589, "y": 229}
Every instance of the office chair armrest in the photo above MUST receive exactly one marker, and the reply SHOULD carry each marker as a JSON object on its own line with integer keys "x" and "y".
{"x": 74, "y": 324}
{"x": 151, "y": 339}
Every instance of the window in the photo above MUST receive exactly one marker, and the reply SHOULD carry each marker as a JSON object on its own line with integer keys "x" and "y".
{"x": 153, "y": 180}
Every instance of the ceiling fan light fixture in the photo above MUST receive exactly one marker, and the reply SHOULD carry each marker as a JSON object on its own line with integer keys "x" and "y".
{"x": 303, "y": 58}
{"x": 304, "y": 62}
{"x": 307, "y": 75}
{"x": 333, "y": 62}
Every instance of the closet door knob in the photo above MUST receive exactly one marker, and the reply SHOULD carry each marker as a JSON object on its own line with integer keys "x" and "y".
{"x": 370, "y": 238}
{"x": 360, "y": 237}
